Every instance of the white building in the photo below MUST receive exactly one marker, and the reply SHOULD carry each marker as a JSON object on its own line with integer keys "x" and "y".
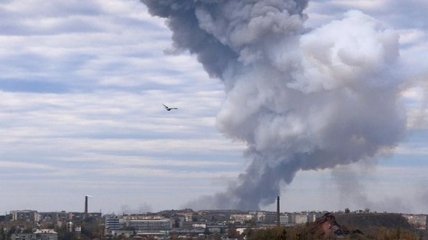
{"x": 285, "y": 220}
{"x": 300, "y": 218}
{"x": 147, "y": 224}
{"x": 199, "y": 225}
{"x": 241, "y": 218}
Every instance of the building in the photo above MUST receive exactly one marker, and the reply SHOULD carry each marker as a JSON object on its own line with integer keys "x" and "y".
{"x": 241, "y": 218}
{"x": 219, "y": 229}
{"x": 79, "y": 216}
{"x": 147, "y": 225}
{"x": 25, "y": 215}
{"x": 188, "y": 216}
{"x": 285, "y": 220}
{"x": 300, "y": 218}
{"x": 112, "y": 223}
{"x": 57, "y": 218}
{"x": 39, "y": 234}
{"x": 265, "y": 217}
{"x": 312, "y": 216}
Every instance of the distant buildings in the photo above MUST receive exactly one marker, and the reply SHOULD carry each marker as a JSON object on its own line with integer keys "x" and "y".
{"x": 25, "y": 215}
{"x": 40, "y": 234}
{"x": 290, "y": 219}
{"x": 34, "y": 225}
{"x": 56, "y": 218}
{"x": 51, "y": 217}
{"x": 137, "y": 225}
{"x": 265, "y": 217}
{"x": 242, "y": 218}
{"x": 187, "y": 224}
{"x": 150, "y": 225}
{"x": 112, "y": 223}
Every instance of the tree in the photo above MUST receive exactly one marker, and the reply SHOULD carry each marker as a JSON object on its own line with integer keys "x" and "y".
{"x": 2, "y": 234}
{"x": 232, "y": 233}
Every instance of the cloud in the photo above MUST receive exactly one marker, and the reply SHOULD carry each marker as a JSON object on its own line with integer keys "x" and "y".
{"x": 81, "y": 90}
{"x": 412, "y": 37}
{"x": 78, "y": 46}
{"x": 81, "y": 94}
{"x": 409, "y": 150}
{"x": 13, "y": 165}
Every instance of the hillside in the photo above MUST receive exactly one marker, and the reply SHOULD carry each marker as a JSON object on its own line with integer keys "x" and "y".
{"x": 365, "y": 221}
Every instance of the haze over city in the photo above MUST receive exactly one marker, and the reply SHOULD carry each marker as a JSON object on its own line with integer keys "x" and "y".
{"x": 83, "y": 85}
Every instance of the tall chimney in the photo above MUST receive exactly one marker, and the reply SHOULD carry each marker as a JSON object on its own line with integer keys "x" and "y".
{"x": 278, "y": 221}
{"x": 86, "y": 206}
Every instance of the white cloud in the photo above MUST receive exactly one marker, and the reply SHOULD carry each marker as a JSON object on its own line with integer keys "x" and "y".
{"x": 82, "y": 87}
{"x": 412, "y": 36}
{"x": 366, "y": 5}
{"x": 13, "y": 165}
{"x": 412, "y": 150}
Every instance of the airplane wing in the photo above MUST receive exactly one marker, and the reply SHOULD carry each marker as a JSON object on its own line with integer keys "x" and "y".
{"x": 169, "y": 108}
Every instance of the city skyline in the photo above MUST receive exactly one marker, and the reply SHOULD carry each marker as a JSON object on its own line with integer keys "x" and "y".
{"x": 82, "y": 92}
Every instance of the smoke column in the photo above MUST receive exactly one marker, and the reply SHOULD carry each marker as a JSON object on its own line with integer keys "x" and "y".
{"x": 300, "y": 99}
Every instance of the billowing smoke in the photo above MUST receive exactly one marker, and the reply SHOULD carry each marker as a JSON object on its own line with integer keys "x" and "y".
{"x": 300, "y": 99}
{"x": 353, "y": 192}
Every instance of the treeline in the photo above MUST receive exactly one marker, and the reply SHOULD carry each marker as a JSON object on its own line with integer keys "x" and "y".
{"x": 369, "y": 220}
{"x": 307, "y": 232}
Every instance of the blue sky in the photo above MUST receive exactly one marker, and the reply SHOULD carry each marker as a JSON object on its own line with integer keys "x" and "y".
{"x": 82, "y": 85}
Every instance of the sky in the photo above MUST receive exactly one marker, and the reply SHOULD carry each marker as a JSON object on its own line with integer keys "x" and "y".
{"x": 82, "y": 85}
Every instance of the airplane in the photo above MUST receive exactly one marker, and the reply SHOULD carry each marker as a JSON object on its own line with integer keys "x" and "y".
{"x": 169, "y": 108}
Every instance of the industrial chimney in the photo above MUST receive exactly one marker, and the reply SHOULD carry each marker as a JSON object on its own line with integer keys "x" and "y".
{"x": 86, "y": 206}
{"x": 278, "y": 220}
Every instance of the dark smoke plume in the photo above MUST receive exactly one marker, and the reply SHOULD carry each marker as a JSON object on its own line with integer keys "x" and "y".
{"x": 299, "y": 99}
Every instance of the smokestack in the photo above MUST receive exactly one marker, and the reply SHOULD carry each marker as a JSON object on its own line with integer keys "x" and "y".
{"x": 86, "y": 206}
{"x": 278, "y": 220}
